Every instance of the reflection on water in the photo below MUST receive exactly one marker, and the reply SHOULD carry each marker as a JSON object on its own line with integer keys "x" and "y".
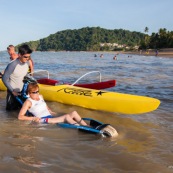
{"x": 30, "y": 161}
{"x": 145, "y": 141}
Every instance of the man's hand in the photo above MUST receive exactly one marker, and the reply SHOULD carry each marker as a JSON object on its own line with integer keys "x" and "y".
{"x": 15, "y": 93}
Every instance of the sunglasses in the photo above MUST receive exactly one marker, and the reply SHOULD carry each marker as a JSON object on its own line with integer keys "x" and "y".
{"x": 35, "y": 92}
{"x": 26, "y": 56}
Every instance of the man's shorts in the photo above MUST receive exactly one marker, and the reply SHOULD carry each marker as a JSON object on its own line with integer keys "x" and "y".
{"x": 11, "y": 102}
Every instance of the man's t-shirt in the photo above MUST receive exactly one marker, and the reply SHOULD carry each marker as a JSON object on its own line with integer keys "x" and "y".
{"x": 14, "y": 74}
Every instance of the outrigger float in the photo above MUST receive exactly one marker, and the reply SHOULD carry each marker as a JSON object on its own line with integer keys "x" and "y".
{"x": 92, "y": 85}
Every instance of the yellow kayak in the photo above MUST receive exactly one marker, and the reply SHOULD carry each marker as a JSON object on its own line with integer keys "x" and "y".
{"x": 97, "y": 99}
{"x": 2, "y": 86}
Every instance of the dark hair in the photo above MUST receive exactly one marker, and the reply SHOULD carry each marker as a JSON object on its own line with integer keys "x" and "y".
{"x": 24, "y": 49}
{"x": 10, "y": 46}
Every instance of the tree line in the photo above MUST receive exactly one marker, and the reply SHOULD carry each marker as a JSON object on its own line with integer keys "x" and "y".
{"x": 93, "y": 39}
{"x": 161, "y": 39}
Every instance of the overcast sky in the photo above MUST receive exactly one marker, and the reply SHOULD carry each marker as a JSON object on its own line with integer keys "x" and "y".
{"x": 22, "y": 21}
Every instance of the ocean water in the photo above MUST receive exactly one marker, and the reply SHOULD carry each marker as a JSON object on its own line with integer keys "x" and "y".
{"x": 145, "y": 142}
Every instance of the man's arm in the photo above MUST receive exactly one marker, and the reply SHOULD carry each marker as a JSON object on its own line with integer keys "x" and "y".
{"x": 6, "y": 76}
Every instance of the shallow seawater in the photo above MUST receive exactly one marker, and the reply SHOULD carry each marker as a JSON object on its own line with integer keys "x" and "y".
{"x": 145, "y": 142}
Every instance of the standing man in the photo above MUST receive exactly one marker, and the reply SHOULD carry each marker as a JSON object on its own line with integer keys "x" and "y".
{"x": 11, "y": 52}
{"x": 14, "y": 74}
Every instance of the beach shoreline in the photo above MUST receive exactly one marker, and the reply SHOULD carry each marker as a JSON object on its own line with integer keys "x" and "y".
{"x": 167, "y": 53}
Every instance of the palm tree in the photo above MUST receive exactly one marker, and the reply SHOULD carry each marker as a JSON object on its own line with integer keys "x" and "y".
{"x": 163, "y": 37}
{"x": 146, "y": 29}
{"x": 147, "y": 38}
{"x": 162, "y": 31}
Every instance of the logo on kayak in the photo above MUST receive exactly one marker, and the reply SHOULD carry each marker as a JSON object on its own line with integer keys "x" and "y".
{"x": 100, "y": 93}
{"x": 76, "y": 91}
{"x": 81, "y": 92}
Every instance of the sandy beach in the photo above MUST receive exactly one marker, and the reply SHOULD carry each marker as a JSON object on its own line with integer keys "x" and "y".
{"x": 161, "y": 53}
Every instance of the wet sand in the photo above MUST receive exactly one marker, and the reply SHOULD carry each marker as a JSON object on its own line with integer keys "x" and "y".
{"x": 161, "y": 53}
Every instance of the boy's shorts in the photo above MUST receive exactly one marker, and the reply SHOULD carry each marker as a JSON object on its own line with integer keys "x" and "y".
{"x": 45, "y": 119}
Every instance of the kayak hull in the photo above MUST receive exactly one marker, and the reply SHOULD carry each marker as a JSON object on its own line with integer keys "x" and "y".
{"x": 2, "y": 86}
{"x": 99, "y": 99}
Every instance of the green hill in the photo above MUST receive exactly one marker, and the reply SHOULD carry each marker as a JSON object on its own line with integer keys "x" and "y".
{"x": 88, "y": 39}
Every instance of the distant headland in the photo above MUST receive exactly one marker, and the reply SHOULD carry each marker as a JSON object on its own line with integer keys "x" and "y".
{"x": 100, "y": 39}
